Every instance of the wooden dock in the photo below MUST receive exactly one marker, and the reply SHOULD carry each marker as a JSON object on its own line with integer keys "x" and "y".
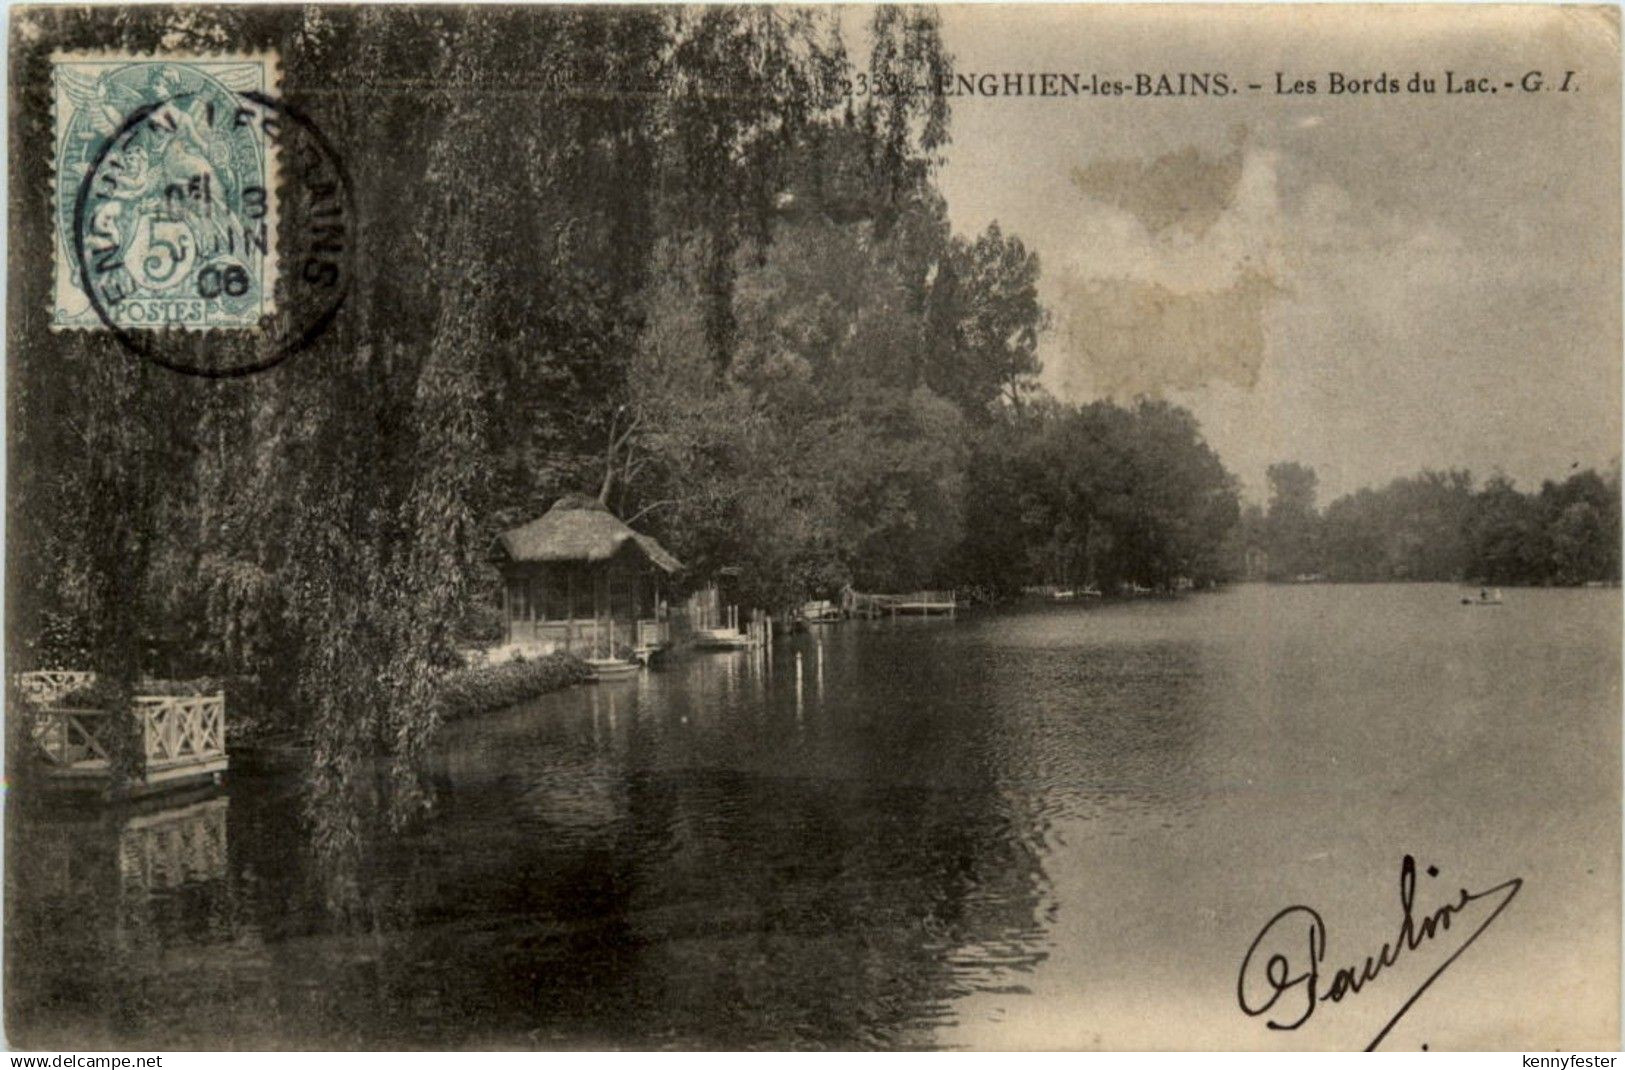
{"x": 43, "y": 687}
{"x": 757, "y": 634}
{"x": 915, "y": 603}
{"x": 183, "y": 737}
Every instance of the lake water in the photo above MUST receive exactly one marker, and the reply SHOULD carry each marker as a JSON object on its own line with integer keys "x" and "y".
{"x": 1059, "y": 826}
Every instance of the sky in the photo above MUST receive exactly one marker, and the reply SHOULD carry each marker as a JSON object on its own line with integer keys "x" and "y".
{"x": 1367, "y": 284}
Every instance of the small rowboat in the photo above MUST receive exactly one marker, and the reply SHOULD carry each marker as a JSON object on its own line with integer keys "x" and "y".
{"x": 824, "y": 612}
{"x": 611, "y": 668}
{"x": 722, "y": 639}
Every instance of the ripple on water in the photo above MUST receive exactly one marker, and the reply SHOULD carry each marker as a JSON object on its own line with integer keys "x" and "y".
{"x": 990, "y": 820}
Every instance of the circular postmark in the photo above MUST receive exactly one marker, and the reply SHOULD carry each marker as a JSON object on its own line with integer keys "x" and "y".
{"x": 212, "y": 234}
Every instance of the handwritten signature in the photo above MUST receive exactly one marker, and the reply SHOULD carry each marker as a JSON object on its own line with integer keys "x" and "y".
{"x": 1277, "y": 978}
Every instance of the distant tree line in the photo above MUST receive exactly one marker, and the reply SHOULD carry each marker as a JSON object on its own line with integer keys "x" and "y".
{"x": 1436, "y": 526}
{"x": 1099, "y": 494}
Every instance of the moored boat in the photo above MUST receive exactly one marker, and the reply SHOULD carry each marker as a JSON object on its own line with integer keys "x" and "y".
{"x": 611, "y": 668}
{"x": 722, "y": 639}
{"x": 821, "y": 612}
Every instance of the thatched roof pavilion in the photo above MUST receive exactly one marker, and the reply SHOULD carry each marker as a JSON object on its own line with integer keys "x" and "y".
{"x": 581, "y": 529}
{"x": 577, "y": 577}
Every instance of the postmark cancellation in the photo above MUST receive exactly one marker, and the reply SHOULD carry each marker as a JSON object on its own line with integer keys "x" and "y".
{"x": 165, "y": 183}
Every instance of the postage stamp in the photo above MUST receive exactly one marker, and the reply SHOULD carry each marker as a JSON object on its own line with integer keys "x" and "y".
{"x": 165, "y": 191}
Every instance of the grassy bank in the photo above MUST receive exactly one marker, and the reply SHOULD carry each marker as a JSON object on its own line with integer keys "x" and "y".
{"x": 492, "y": 687}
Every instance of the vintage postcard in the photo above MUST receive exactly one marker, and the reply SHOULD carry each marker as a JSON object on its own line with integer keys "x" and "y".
{"x": 986, "y": 528}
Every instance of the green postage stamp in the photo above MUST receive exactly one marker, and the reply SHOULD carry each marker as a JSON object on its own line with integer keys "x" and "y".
{"x": 165, "y": 191}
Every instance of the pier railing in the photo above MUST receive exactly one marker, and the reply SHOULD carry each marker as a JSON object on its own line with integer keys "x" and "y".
{"x": 181, "y": 736}
{"x": 45, "y": 686}
{"x": 72, "y": 738}
{"x": 181, "y": 729}
{"x": 927, "y": 602}
{"x": 653, "y": 634}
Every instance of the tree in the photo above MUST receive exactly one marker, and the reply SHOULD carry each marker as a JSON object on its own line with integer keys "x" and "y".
{"x": 1291, "y": 521}
{"x": 1412, "y": 529}
{"x": 986, "y": 314}
{"x": 1505, "y": 536}
{"x": 1097, "y": 494}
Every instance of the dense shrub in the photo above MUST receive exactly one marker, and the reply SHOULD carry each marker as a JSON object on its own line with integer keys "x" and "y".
{"x": 102, "y": 693}
{"x": 491, "y": 687}
{"x": 99, "y": 694}
{"x": 466, "y": 691}
{"x": 483, "y": 623}
{"x": 202, "y": 685}
{"x": 64, "y": 641}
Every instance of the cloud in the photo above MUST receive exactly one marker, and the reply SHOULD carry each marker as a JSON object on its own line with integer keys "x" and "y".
{"x": 1134, "y": 337}
{"x": 1178, "y": 261}
{"x": 1404, "y": 283}
{"x": 1187, "y": 189}
{"x": 1156, "y": 299}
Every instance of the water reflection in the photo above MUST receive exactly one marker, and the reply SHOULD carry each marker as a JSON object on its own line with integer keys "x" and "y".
{"x": 933, "y": 834}
{"x": 102, "y": 904}
{"x": 733, "y": 851}
{"x": 719, "y": 864}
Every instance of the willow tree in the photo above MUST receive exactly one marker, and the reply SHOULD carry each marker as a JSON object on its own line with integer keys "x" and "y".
{"x": 514, "y": 173}
{"x": 527, "y": 192}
